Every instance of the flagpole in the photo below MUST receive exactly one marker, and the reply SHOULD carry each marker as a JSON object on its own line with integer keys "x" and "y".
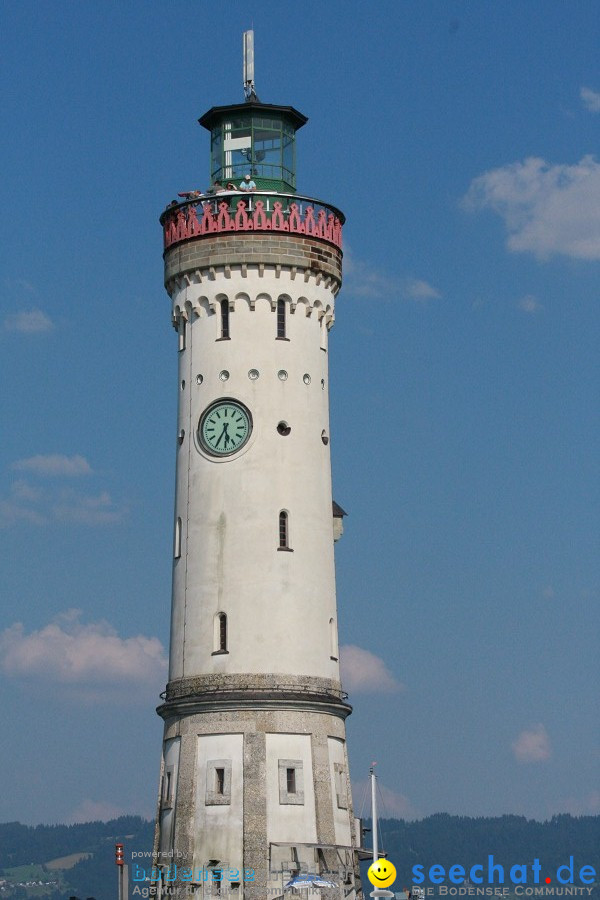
{"x": 374, "y": 812}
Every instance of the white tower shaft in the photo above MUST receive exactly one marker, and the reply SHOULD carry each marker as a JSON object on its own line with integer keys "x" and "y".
{"x": 254, "y": 784}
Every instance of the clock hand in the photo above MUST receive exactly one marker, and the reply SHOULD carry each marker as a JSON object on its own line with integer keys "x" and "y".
{"x": 224, "y": 432}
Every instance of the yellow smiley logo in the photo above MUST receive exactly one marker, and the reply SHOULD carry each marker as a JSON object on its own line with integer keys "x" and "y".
{"x": 382, "y": 873}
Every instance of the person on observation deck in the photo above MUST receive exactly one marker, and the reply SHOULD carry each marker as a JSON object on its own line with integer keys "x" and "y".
{"x": 191, "y": 195}
{"x": 247, "y": 184}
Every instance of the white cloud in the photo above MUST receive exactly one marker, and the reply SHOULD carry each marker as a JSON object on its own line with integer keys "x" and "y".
{"x": 365, "y": 280}
{"x": 588, "y": 805}
{"x": 363, "y": 672}
{"x": 96, "y": 811}
{"x": 19, "y": 284}
{"x": 54, "y": 502}
{"x": 529, "y": 304}
{"x": 64, "y": 506}
{"x": 33, "y": 321}
{"x": 86, "y": 509}
{"x": 54, "y": 464}
{"x": 391, "y": 804}
{"x": 590, "y": 99}
{"x": 13, "y": 511}
{"x": 417, "y": 289}
{"x": 68, "y": 652}
{"x": 592, "y": 803}
{"x": 532, "y": 745}
{"x": 25, "y": 285}
{"x": 22, "y": 490}
{"x": 547, "y": 209}
{"x": 24, "y": 503}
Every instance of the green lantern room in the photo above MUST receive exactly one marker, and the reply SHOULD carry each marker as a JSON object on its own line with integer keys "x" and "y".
{"x": 256, "y": 139}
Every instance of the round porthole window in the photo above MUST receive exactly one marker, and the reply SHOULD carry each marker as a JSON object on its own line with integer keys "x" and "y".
{"x": 224, "y": 375}
{"x": 283, "y": 428}
{"x": 282, "y": 375}
{"x": 253, "y": 374}
{"x": 199, "y": 379}
{"x": 306, "y": 378}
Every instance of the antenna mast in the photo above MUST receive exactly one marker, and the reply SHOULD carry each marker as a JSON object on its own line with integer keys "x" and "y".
{"x": 249, "y": 92}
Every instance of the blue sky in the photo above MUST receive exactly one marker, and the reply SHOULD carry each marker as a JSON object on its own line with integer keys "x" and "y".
{"x": 460, "y": 141}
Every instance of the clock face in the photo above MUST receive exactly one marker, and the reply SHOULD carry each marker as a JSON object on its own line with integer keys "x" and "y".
{"x": 224, "y": 428}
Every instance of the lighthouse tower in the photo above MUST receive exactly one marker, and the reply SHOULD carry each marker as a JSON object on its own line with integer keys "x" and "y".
{"x": 254, "y": 777}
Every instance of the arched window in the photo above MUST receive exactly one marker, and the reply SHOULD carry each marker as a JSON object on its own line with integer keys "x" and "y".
{"x": 281, "y": 319}
{"x": 284, "y": 531}
{"x": 224, "y": 319}
{"x": 222, "y": 631}
{"x": 220, "y": 637}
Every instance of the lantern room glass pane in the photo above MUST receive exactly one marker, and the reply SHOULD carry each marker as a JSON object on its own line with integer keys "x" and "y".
{"x": 266, "y": 156}
{"x": 216, "y": 152}
{"x": 263, "y": 148}
{"x": 288, "y": 156}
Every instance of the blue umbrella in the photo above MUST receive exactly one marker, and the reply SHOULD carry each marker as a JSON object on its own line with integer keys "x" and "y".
{"x": 309, "y": 881}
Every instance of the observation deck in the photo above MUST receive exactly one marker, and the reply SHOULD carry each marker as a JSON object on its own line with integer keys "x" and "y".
{"x": 252, "y": 212}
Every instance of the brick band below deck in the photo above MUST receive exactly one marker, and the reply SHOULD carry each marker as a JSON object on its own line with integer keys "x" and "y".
{"x": 203, "y": 253}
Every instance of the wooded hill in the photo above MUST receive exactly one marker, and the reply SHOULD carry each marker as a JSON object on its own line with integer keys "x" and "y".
{"x": 447, "y": 840}
{"x": 440, "y": 839}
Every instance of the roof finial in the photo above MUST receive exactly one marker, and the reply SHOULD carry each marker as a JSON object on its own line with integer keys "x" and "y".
{"x": 249, "y": 92}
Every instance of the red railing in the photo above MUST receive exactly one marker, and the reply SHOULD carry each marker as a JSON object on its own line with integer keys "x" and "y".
{"x": 253, "y": 212}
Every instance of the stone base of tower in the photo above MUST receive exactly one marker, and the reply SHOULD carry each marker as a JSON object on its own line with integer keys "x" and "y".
{"x": 255, "y": 790}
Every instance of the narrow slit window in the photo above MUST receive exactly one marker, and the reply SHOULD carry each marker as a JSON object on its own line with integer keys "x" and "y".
{"x": 181, "y": 333}
{"x": 283, "y": 530}
{"x": 323, "y": 327}
{"x": 225, "y": 319}
{"x": 177, "y": 541}
{"x": 332, "y": 641}
{"x": 218, "y": 784}
{"x": 222, "y": 632}
{"x": 340, "y": 786}
{"x": 291, "y": 781}
{"x": 281, "y": 319}
{"x": 167, "y": 792}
